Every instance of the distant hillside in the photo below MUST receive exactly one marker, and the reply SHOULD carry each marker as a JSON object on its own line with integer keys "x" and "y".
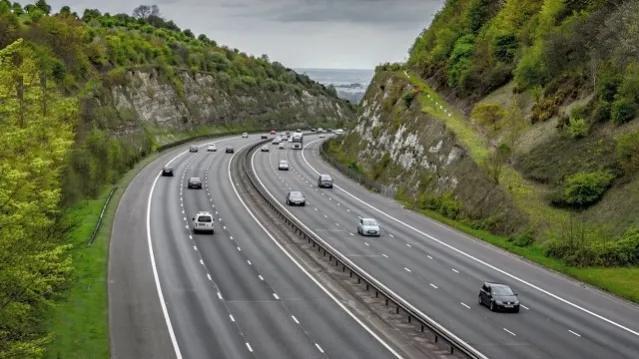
{"x": 82, "y": 99}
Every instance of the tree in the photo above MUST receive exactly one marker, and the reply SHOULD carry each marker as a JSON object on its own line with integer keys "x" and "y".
{"x": 145, "y": 11}
{"x": 37, "y": 132}
{"x": 42, "y": 5}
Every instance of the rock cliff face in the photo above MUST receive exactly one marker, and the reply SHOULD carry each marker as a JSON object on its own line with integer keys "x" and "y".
{"x": 419, "y": 158}
{"x": 198, "y": 99}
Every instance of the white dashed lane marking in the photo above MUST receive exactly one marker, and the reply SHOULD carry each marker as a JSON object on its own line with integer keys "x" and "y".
{"x": 407, "y": 269}
{"x": 433, "y": 285}
{"x": 231, "y": 317}
{"x": 574, "y": 333}
{"x": 319, "y": 348}
{"x": 523, "y": 306}
{"x": 454, "y": 270}
{"x": 295, "y": 319}
{"x": 384, "y": 255}
{"x": 509, "y": 332}
{"x": 248, "y": 345}
{"x": 465, "y": 305}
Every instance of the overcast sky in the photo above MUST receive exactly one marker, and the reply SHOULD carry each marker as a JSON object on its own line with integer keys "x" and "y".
{"x": 299, "y": 33}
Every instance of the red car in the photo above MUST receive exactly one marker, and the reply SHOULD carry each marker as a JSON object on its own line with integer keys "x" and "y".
{"x": 273, "y": 132}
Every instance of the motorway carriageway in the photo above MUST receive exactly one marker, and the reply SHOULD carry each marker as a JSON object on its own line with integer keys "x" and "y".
{"x": 439, "y": 270}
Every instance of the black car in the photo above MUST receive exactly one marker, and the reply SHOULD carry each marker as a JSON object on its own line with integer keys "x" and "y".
{"x": 295, "y": 198}
{"x": 264, "y": 137}
{"x": 193, "y": 148}
{"x": 230, "y": 150}
{"x": 498, "y": 297}
{"x": 167, "y": 171}
{"x": 195, "y": 183}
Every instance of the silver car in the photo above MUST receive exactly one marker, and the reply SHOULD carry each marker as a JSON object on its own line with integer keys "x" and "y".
{"x": 283, "y": 165}
{"x": 368, "y": 227}
{"x": 203, "y": 222}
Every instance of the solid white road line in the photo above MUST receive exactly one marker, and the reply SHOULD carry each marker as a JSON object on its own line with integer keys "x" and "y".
{"x": 156, "y": 277}
{"x": 329, "y": 294}
{"x": 469, "y": 256}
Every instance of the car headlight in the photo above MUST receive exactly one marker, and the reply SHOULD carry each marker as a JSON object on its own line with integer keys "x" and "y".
{"x": 499, "y": 302}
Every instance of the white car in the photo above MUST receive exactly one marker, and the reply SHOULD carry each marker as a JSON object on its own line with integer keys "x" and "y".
{"x": 276, "y": 141}
{"x": 244, "y": 135}
{"x": 203, "y": 222}
{"x": 290, "y": 139}
{"x": 368, "y": 227}
{"x": 264, "y": 149}
{"x": 281, "y": 146}
{"x": 211, "y": 148}
{"x": 283, "y": 165}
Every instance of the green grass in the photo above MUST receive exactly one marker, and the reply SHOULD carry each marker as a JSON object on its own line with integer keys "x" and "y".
{"x": 78, "y": 323}
{"x": 435, "y": 105}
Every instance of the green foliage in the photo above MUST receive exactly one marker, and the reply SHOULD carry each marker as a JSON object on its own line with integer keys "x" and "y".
{"x": 37, "y": 132}
{"x": 577, "y": 127}
{"x": 446, "y": 204}
{"x": 489, "y": 115}
{"x": 584, "y": 188}
{"x": 585, "y": 247}
{"x": 623, "y": 110}
{"x": 627, "y": 151}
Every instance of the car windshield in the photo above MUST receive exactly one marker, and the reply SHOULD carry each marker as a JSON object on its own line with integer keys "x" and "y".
{"x": 325, "y": 177}
{"x": 283, "y": 163}
{"x": 296, "y": 195}
{"x": 502, "y": 290}
{"x": 204, "y": 219}
{"x": 369, "y": 222}
{"x": 195, "y": 179}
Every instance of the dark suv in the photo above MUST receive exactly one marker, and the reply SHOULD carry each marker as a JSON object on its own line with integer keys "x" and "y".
{"x": 167, "y": 171}
{"x": 498, "y": 297}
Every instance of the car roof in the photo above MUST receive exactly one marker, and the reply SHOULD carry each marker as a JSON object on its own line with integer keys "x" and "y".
{"x": 283, "y": 161}
{"x": 495, "y": 284}
{"x": 295, "y": 193}
{"x": 324, "y": 175}
{"x": 203, "y": 213}
{"x": 194, "y": 179}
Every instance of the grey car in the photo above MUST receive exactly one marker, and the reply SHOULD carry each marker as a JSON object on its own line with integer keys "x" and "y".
{"x": 193, "y": 148}
{"x": 295, "y": 198}
{"x": 498, "y": 296}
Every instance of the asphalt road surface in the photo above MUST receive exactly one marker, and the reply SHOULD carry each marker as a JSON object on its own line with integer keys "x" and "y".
{"x": 439, "y": 270}
{"x": 234, "y": 294}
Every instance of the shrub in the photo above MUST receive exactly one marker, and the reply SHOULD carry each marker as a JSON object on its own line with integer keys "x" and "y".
{"x": 445, "y": 204}
{"x": 585, "y": 188}
{"x": 623, "y": 110}
{"x": 577, "y": 127}
{"x": 409, "y": 97}
{"x": 627, "y": 152}
{"x": 522, "y": 239}
{"x": 591, "y": 250}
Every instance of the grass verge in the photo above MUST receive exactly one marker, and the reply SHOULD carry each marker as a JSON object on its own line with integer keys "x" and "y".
{"x": 78, "y": 323}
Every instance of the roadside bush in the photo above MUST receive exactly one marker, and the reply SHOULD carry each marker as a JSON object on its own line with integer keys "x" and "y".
{"x": 445, "y": 204}
{"x": 584, "y": 188}
{"x": 591, "y": 250}
{"x": 522, "y": 239}
{"x": 409, "y": 97}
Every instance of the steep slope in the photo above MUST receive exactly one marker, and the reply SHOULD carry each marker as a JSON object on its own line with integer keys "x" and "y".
{"x": 541, "y": 99}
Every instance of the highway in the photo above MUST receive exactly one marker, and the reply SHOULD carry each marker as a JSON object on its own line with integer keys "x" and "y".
{"x": 439, "y": 270}
{"x": 234, "y": 294}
